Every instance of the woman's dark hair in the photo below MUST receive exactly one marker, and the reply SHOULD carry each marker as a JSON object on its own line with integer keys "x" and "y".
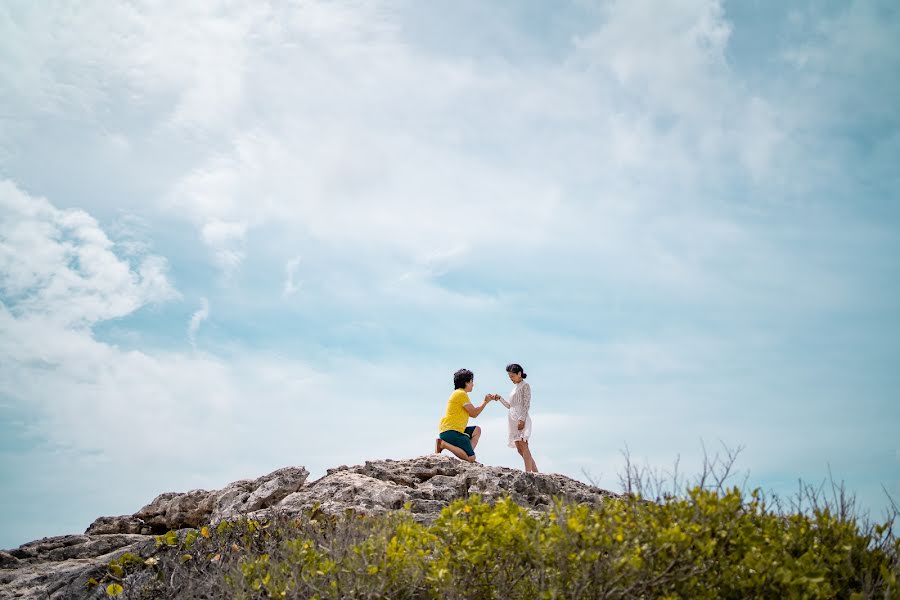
{"x": 517, "y": 369}
{"x": 461, "y": 378}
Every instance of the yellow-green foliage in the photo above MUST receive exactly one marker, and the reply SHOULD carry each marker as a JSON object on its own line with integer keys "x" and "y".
{"x": 706, "y": 544}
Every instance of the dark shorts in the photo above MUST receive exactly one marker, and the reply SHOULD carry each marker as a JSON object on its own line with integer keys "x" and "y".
{"x": 460, "y": 440}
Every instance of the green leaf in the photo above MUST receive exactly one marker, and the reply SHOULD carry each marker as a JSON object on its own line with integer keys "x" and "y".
{"x": 129, "y": 559}
{"x": 189, "y": 539}
{"x": 114, "y": 589}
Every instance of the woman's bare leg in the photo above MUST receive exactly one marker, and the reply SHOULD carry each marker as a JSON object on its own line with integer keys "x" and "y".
{"x": 522, "y": 448}
{"x": 525, "y": 453}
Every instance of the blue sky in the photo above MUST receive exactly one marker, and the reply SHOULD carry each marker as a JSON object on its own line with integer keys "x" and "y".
{"x": 235, "y": 238}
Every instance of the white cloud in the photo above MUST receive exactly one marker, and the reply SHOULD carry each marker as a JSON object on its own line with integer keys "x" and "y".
{"x": 674, "y": 105}
{"x": 661, "y": 59}
{"x": 58, "y": 264}
{"x": 196, "y": 319}
{"x": 227, "y": 241}
{"x": 388, "y": 166}
{"x": 291, "y": 285}
{"x": 194, "y": 53}
{"x": 356, "y": 138}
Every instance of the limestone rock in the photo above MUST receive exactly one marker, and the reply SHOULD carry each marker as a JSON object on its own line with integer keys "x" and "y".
{"x": 58, "y": 567}
{"x": 173, "y": 510}
{"x": 121, "y": 524}
{"x": 65, "y": 547}
{"x": 8, "y": 561}
{"x": 341, "y": 491}
{"x": 429, "y": 483}
{"x": 242, "y": 497}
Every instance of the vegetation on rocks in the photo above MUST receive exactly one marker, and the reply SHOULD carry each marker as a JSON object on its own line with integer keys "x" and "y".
{"x": 704, "y": 543}
{"x": 435, "y": 527}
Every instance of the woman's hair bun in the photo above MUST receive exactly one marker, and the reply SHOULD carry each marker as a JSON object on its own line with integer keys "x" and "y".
{"x": 516, "y": 368}
{"x": 524, "y": 375}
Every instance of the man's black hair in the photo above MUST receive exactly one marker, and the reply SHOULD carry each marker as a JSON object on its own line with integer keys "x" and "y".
{"x": 461, "y": 378}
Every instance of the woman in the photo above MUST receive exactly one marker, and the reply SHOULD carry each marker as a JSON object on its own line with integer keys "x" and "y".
{"x": 519, "y": 421}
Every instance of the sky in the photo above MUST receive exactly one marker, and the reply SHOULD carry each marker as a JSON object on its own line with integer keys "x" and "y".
{"x": 240, "y": 236}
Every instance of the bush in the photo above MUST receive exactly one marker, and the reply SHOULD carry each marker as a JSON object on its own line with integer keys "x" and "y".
{"x": 704, "y": 544}
{"x": 705, "y": 539}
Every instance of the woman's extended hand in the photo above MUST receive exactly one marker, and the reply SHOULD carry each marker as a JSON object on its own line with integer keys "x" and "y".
{"x": 521, "y": 425}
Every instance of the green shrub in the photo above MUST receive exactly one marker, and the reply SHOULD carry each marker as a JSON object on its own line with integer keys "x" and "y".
{"x": 705, "y": 544}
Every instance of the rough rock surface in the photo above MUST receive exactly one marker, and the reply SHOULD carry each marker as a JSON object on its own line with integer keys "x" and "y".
{"x": 59, "y": 567}
{"x": 172, "y": 510}
{"x": 429, "y": 483}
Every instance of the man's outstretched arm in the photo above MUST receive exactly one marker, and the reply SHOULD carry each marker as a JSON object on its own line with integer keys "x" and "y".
{"x": 474, "y": 412}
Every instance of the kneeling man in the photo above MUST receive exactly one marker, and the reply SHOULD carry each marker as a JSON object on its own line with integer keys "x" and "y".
{"x": 456, "y": 436}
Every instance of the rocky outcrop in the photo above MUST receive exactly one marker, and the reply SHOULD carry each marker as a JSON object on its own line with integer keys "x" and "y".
{"x": 428, "y": 484}
{"x": 59, "y": 567}
{"x": 171, "y": 511}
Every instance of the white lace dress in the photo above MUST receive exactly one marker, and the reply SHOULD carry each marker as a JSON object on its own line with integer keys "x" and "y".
{"x": 518, "y": 405}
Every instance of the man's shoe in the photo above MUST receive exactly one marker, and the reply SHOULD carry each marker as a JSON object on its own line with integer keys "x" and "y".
{"x": 437, "y": 446}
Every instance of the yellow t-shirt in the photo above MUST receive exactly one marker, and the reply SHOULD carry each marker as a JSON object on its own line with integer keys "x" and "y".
{"x": 456, "y": 417}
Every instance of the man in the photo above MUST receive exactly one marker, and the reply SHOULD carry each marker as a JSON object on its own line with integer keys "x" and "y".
{"x": 456, "y": 436}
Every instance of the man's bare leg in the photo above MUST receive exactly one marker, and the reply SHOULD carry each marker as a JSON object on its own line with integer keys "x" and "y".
{"x": 457, "y": 451}
{"x": 475, "y": 436}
